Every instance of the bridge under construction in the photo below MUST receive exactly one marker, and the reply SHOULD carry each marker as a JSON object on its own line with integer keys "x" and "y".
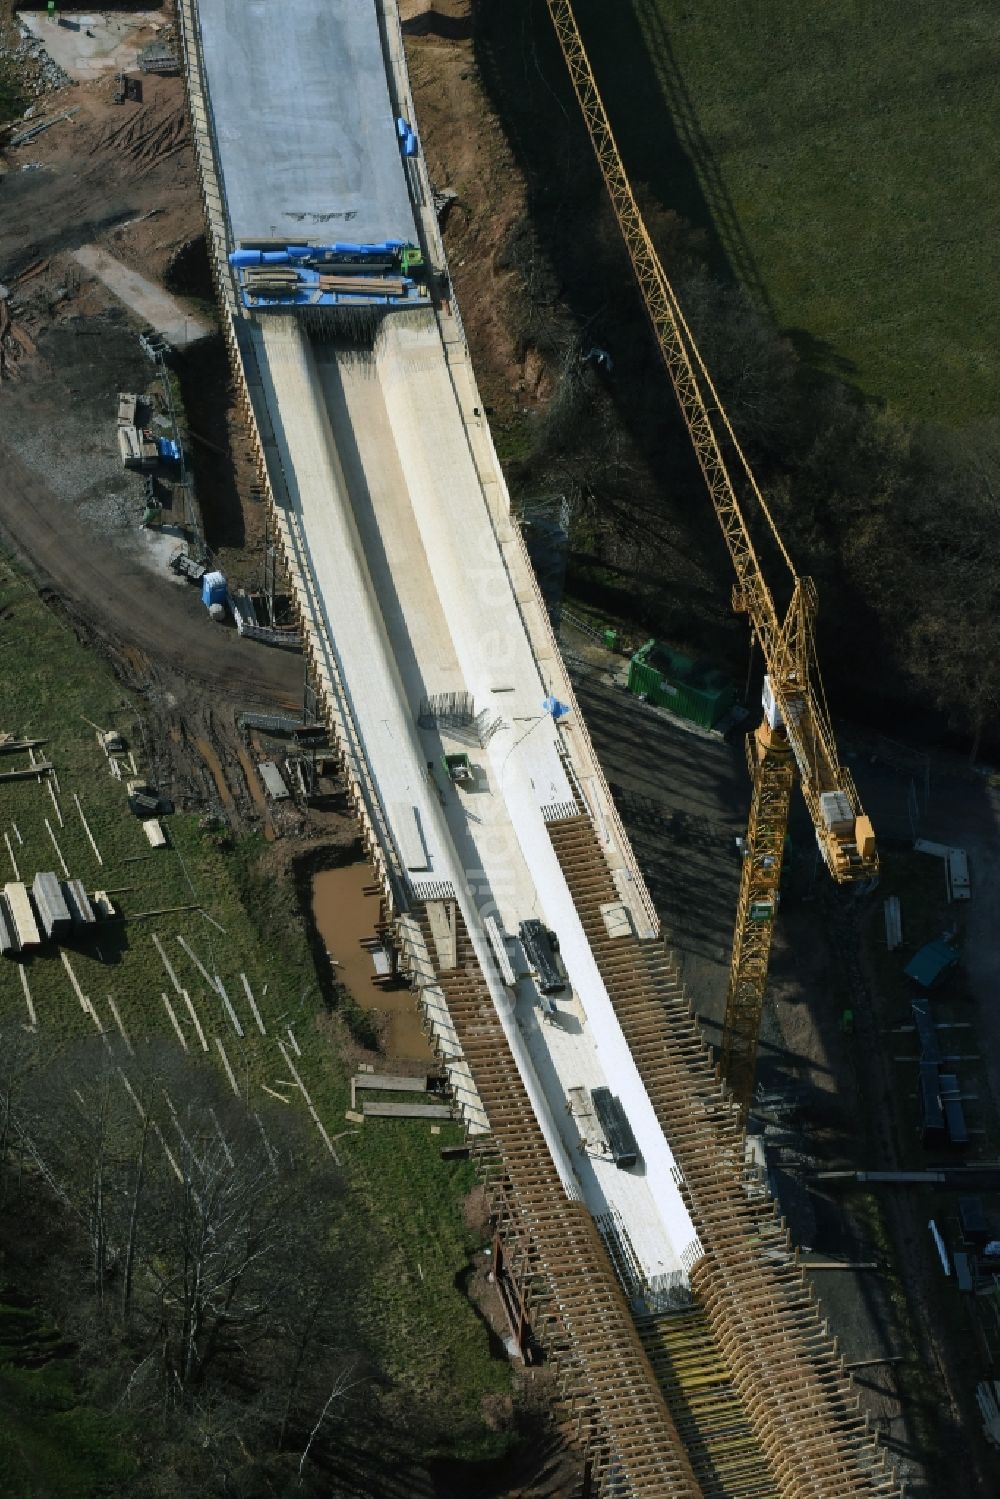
{"x": 633, "y": 1243}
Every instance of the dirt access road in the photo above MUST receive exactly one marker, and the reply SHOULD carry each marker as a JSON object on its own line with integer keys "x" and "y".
{"x": 133, "y": 609}
{"x": 117, "y": 179}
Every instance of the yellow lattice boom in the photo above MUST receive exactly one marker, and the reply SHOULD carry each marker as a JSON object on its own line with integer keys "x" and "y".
{"x": 797, "y": 722}
{"x": 787, "y": 646}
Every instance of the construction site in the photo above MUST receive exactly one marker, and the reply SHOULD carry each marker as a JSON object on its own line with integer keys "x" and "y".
{"x": 294, "y": 540}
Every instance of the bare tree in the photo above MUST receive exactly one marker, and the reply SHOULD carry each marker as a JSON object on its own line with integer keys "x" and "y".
{"x": 231, "y": 1315}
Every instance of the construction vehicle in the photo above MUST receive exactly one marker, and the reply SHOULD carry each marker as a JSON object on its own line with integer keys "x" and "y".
{"x": 143, "y": 799}
{"x": 458, "y": 768}
{"x": 541, "y": 948}
{"x": 185, "y": 566}
{"x": 796, "y": 733}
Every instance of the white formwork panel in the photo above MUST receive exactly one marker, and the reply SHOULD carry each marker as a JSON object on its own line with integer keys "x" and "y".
{"x": 409, "y": 835}
{"x": 383, "y": 513}
{"x": 317, "y": 490}
{"x": 459, "y": 542}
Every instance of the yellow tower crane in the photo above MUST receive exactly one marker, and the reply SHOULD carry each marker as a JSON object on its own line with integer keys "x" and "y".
{"x": 795, "y": 732}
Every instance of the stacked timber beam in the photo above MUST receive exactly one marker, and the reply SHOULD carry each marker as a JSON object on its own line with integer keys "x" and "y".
{"x": 762, "y": 1311}
{"x": 608, "y": 1379}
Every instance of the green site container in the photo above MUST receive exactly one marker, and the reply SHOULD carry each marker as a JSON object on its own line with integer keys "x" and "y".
{"x": 691, "y": 689}
{"x": 610, "y": 638}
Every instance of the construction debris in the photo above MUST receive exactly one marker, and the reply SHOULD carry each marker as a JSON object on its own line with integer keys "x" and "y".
{"x": 382, "y": 1082}
{"x": 80, "y": 908}
{"x": 234, "y": 1018}
{"x": 274, "y": 785}
{"x": 137, "y": 448}
{"x": 28, "y": 772}
{"x": 10, "y": 745}
{"x": 59, "y": 853}
{"x": 171, "y": 975}
{"x": 24, "y": 136}
{"x": 406, "y": 1110}
{"x": 253, "y": 1004}
{"x": 118, "y": 1021}
{"x": 155, "y": 835}
{"x": 158, "y": 57}
{"x": 130, "y": 409}
{"x": 173, "y": 1021}
{"x": 84, "y": 1001}
{"x": 197, "y": 962}
{"x": 194, "y": 1019}
{"x": 956, "y": 867}
{"x": 55, "y": 803}
{"x": 103, "y": 904}
{"x": 309, "y": 1103}
{"x": 32, "y": 1016}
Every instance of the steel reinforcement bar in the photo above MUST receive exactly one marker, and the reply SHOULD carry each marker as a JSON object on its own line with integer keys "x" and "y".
{"x": 781, "y": 1357}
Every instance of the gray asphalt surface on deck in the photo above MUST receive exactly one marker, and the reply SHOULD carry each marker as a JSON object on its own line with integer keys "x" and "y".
{"x": 303, "y": 121}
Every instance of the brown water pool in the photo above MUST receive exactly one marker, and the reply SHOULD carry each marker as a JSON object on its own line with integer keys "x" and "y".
{"x": 345, "y": 917}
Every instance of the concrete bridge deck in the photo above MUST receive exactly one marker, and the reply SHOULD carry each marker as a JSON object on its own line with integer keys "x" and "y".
{"x": 412, "y": 585}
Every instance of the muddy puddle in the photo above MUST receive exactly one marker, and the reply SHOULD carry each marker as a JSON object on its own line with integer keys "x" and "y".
{"x": 346, "y": 917}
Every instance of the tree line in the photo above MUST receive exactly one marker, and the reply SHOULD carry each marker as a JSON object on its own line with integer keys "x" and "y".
{"x": 894, "y": 518}
{"x": 199, "y": 1257}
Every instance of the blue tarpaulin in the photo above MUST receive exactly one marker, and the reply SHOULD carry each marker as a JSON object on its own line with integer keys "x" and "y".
{"x": 553, "y": 706}
{"x": 315, "y": 254}
{"x": 407, "y": 137}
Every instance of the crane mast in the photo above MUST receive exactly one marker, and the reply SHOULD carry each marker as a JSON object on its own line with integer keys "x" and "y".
{"x": 796, "y": 733}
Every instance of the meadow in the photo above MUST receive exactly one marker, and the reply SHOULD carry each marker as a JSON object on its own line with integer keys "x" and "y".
{"x": 839, "y": 160}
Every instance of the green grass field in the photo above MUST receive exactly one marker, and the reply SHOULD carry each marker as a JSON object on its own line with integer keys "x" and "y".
{"x": 51, "y": 1445}
{"x": 404, "y": 1212}
{"x": 841, "y": 159}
